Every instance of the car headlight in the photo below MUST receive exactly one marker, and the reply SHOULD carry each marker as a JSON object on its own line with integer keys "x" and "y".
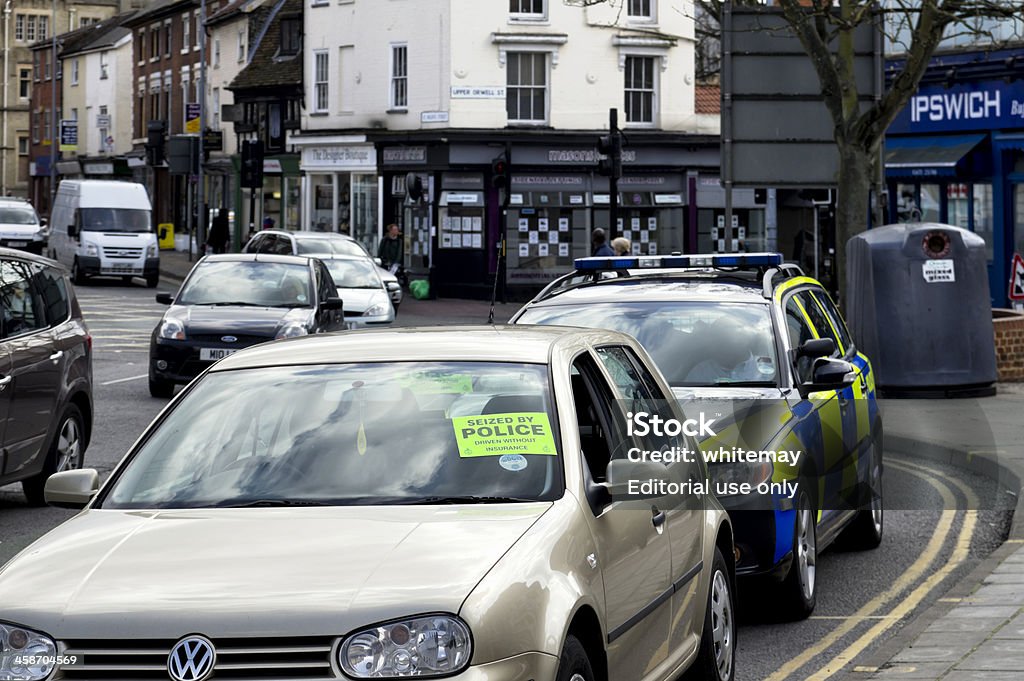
{"x": 730, "y": 475}
{"x": 172, "y": 329}
{"x": 376, "y": 310}
{"x": 151, "y": 251}
{"x": 91, "y": 249}
{"x": 431, "y": 645}
{"x": 292, "y": 330}
{"x": 25, "y": 655}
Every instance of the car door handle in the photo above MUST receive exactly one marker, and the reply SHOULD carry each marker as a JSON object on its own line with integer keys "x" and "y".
{"x": 56, "y": 356}
{"x": 657, "y": 517}
{"x": 4, "y": 381}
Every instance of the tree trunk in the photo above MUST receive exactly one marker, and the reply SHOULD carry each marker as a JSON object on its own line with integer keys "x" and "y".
{"x": 856, "y": 169}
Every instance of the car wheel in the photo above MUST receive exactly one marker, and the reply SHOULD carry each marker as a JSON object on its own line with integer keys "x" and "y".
{"x": 65, "y": 453}
{"x": 152, "y": 280}
{"x": 77, "y": 276}
{"x": 574, "y": 665}
{"x": 799, "y": 590}
{"x": 716, "y": 658}
{"x": 160, "y": 388}
{"x": 865, "y": 531}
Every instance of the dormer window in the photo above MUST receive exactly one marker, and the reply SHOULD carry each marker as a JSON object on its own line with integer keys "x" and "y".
{"x": 291, "y": 36}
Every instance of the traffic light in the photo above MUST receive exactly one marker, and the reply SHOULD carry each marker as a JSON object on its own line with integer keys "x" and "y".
{"x": 499, "y": 172}
{"x": 413, "y": 187}
{"x": 155, "y": 142}
{"x": 610, "y": 146}
{"x": 252, "y": 164}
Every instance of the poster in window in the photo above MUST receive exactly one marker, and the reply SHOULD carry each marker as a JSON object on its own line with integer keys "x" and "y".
{"x": 524, "y": 224}
{"x": 456, "y": 241}
{"x": 652, "y": 248}
{"x": 635, "y": 223}
{"x": 446, "y": 241}
{"x": 534, "y": 238}
{"x": 563, "y": 250}
{"x": 467, "y": 224}
{"x": 620, "y": 220}
{"x": 324, "y": 196}
{"x": 542, "y": 250}
{"x": 478, "y": 224}
{"x": 446, "y": 222}
{"x": 652, "y": 223}
{"x": 542, "y": 224}
{"x": 563, "y": 224}
{"x": 524, "y": 250}
{"x": 628, "y": 234}
{"x": 636, "y": 249}
{"x": 552, "y": 237}
{"x": 645, "y": 236}
{"x": 478, "y": 241}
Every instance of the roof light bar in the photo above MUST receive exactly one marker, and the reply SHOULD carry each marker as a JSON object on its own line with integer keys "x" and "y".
{"x": 645, "y": 262}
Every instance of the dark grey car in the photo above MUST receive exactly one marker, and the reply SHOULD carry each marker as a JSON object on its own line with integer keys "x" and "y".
{"x": 45, "y": 373}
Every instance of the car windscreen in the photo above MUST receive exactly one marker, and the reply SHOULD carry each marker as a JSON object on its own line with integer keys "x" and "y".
{"x": 115, "y": 220}
{"x": 694, "y": 343}
{"x": 18, "y": 215}
{"x": 353, "y": 273}
{"x": 254, "y": 284}
{"x": 351, "y": 434}
{"x": 313, "y": 245}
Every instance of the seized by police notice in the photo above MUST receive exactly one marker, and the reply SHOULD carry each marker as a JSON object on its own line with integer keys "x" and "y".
{"x": 501, "y": 434}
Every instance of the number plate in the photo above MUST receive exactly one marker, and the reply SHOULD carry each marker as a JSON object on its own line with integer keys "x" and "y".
{"x": 213, "y": 354}
{"x": 121, "y": 269}
{"x": 17, "y": 244}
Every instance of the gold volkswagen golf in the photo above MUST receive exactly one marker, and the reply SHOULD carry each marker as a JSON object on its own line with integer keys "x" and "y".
{"x": 383, "y": 504}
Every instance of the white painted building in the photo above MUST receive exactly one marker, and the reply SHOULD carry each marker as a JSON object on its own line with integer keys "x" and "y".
{"x": 440, "y": 88}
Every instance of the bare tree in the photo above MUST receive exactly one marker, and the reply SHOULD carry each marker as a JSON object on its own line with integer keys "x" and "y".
{"x": 825, "y": 29}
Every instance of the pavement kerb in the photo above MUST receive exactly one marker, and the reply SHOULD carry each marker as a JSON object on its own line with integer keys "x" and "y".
{"x": 981, "y": 463}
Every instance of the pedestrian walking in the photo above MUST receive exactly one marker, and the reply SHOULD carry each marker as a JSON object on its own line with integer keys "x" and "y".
{"x": 217, "y": 239}
{"x": 599, "y": 242}
{"x": 621, "y": 245}
{"x": 390, "y": 248}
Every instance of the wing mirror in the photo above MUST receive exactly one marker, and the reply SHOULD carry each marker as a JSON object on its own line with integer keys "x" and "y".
{"x": 71, "y": 489}
{"x": 331, "y": 304}
{"x": 829, "y": 374}
{"x": 378, "y": 262}
{"x": 819, "y": 347}
{"x": 164, "y": 298}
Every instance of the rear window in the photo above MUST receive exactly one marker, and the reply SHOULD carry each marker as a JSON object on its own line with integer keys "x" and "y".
{"x": 313, "y": 245}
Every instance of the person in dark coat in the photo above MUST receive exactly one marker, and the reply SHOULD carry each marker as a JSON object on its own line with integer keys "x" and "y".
{"x": 600, "y": 243}
{"x": 217, "y": 240}
{"x": 390, "y": 249}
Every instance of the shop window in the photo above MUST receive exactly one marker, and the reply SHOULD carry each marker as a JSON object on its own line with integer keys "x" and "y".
{"x": 907, "y": 207}
{"x": 956, "y": 205}
{"x": 527, "y": 91}
{"x": 462, "y": 223}
{"x": 640, "y": 93}
{"x": 930, "y": 203}
{"x": 982, "y": 209}
{"x": 1018, "y": 217}
{"x": 546, "y": 231}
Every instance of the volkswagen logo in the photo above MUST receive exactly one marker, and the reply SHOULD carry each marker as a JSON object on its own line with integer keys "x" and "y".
{"x": 191, "y": 659}
{"x": 228, "y": 339}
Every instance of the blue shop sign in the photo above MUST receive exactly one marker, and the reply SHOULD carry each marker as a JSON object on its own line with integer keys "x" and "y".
{"x": 981, "y": 105}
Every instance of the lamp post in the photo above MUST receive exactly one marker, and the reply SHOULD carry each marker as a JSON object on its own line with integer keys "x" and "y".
{"x": 200, "y": 194}
{"x": 7, "y": 84}
{"x": 54, "y": 121}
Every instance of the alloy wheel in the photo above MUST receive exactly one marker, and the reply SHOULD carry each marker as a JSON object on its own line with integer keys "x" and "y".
{"x": 69, "y": 445}
{"x": 722, "y": 625}
{"x": 806, "y": 547}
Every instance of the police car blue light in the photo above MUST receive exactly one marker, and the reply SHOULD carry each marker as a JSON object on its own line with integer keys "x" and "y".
{"x": 679, "y": 261}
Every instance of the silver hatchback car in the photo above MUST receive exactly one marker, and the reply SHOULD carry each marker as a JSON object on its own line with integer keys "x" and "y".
{"x": 414, "y": 503}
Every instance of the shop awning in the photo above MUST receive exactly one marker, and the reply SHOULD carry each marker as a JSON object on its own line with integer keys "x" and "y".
{"x": 927, "y": 156}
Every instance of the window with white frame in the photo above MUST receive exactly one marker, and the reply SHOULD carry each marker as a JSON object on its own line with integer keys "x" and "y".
{"x": 216, "y": 108}
{"x": 44, "y": 28}
{"x": 399, "y": 77}
{"x": 241, "y": 45}
{"x": 19, "y": 27}
{"x": 104, "y": 66}
{"x": 22, "y": 146}
{"x": 530, "y": 10}
{"x": 74, "y": 72}
{"x": 641, "y": 9}
{"x": 640, "y": 90}
{"x": 527, "y": 91}
{"x": 186, "y": 31}
{"x": 198, "y": 27}
{"x": 30, "y": 28}
{"x": 216, "y": 53}
{"x": 104, "y": 130}
{"x": 321, "y": 71}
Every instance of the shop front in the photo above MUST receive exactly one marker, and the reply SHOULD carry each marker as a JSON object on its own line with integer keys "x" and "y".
{"x": 955, "y": 155}
{"x": 555, "y": 200}
{"x": 338, "y": 191}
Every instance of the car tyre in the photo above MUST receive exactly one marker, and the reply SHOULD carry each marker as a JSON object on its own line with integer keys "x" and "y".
{"x": 799, "y": 590}
{"x": 152, "y": 280}
{"x": 574, "y": 665}
{"x": 64, "y": 454}
{"x": 716, "y": 657}
{"x": 160, "y": 388}
{"x": 77, "y": 276}
{"x": 865, "y": 531}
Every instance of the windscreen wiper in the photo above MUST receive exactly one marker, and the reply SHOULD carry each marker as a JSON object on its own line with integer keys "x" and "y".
{"x": 745, "y": 384}
{"x": 268, "y": 503}
{"x": 465, "y": 499}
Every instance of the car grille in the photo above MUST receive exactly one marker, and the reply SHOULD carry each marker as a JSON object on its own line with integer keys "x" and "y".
{"x": 238, "y": 659}
{"x": 126, "y": 253}
{"x": 240, "y": 342}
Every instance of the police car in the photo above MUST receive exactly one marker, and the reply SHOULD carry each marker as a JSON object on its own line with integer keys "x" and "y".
{"x": 764, "y": 347}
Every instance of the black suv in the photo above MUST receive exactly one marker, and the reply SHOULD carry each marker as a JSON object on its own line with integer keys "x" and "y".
{"x": 45, "y": 373}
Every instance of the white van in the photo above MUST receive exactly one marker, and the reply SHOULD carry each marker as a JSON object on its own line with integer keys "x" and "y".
{"x": 104, "y": 228}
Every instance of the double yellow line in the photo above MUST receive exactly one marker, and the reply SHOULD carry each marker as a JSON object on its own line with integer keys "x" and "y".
{"x": 910, "y": 576}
